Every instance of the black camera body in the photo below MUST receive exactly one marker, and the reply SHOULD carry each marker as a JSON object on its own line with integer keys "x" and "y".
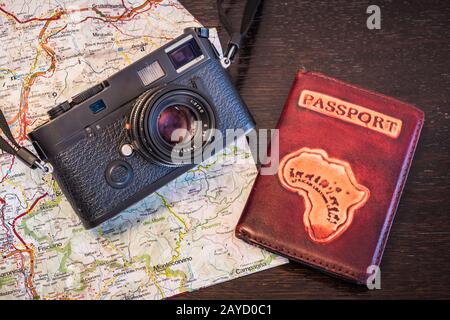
{"x": 109, "y": 146}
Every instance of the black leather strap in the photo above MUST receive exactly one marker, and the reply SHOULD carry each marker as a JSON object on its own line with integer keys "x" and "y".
{"x": 237, "y": 35}
{"x": 13, "y": 148}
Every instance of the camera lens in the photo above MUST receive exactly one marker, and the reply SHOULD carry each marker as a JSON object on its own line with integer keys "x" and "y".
{"x": 177, "y": 124}
{"x": 171, "y": 125}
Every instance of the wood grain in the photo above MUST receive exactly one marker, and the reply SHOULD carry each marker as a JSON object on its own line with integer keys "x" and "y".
{"x": 409, "y": 58}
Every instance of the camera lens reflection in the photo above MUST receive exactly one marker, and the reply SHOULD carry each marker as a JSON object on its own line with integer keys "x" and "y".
{"x": 177, "y": 124}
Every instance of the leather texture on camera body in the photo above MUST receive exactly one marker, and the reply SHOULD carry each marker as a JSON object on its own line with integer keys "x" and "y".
{"x": 215, "y": 82}
{"x": 80, "y": 168}
{"x": 340, "y": 177}
{"x": 80, "y": 172}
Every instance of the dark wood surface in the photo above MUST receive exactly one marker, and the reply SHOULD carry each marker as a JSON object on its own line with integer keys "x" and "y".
{"x": 409, "y": 58}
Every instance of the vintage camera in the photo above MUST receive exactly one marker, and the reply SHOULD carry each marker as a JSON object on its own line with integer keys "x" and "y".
{"x": 113, "y": 144}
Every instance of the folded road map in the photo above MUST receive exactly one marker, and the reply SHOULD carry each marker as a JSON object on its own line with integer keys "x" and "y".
{"x": 177, "y": 240}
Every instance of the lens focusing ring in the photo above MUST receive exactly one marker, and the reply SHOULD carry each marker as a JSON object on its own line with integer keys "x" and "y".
{"x": 136, "y": 128}
{"x": 144, "y": 123}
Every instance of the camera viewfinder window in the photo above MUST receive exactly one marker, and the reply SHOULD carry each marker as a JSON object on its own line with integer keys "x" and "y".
{"x": 185, "y": 54}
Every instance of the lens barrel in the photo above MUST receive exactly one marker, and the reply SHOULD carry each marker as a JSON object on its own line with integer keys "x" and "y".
{"x": 171, "y": 125}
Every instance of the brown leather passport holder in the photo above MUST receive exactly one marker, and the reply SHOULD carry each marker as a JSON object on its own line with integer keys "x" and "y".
{"x": 345, "y": 153}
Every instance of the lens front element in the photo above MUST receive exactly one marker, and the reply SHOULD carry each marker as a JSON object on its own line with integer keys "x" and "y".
{"x": 171, "y": 125}
{"x": 177, "y": 124}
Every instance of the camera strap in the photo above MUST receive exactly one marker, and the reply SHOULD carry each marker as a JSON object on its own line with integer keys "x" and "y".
{"x": 13, "y": 148}
{"x": 237, "y": 35}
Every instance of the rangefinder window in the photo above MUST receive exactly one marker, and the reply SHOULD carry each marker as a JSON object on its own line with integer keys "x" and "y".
{"x": 185, "y": 55}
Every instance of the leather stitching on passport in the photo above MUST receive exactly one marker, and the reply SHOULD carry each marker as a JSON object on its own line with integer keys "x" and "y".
{"x": 382, "y": 96}
{"x": 408, "y": 158}
{"x": 320, "y": 261}
{"x": 399, "y": 193}
{"x": 328, "y": 266}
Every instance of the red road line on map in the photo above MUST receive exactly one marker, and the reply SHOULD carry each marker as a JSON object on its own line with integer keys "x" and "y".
{"x": 24, "y": 214}
{"x": 21, "y": 115}
{"x": 59, "y": 13}
{"x": 29, "y": 250}
{"x": 127, "y": 15}
{"x": 27, "y": 88}
{"x": 7, "y": 173}
{"x": 2, "y": 212}
{"x": 25, "y": 21}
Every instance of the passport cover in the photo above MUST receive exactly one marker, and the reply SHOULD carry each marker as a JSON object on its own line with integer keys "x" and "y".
{"x": 345, "y": 153}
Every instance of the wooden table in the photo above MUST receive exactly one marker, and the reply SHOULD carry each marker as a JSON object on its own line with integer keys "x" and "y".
{"x": 409, "y": 58}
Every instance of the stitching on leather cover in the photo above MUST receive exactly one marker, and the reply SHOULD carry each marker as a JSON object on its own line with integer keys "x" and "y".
{"x": 327, "y": 266}
{"x": 404, "y": 173}
{"x": 398, "y": 194}
{"x": 321, "y": 262}
{"x": 382, "y": 96}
